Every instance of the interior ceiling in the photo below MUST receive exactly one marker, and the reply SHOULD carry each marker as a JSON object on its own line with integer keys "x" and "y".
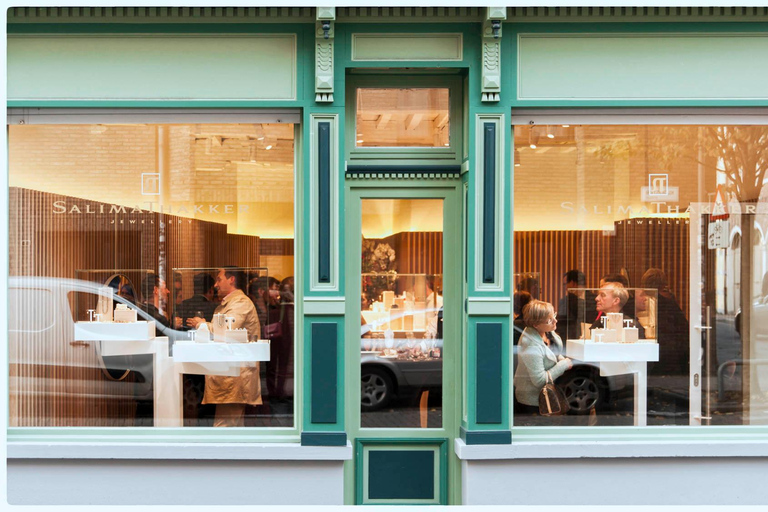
{"x": 385, "y": 217}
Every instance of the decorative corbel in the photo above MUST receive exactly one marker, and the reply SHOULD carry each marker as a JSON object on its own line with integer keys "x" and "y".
{"x": 492, "y": 53}
{"x": 324, "y": 54}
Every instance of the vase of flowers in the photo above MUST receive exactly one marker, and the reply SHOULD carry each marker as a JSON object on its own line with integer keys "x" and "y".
{"x": 378, "y": 266}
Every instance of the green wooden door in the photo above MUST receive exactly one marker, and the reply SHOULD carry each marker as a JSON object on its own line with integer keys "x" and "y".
{"x": 403, "y": 259}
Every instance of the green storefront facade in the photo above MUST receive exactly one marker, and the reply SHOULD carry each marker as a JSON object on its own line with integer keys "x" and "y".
{"x": 509, "y": 76}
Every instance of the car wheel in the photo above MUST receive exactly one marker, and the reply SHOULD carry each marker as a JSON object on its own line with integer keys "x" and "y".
{"x": 584, "y": 391}
{"x": 376, "y": 389}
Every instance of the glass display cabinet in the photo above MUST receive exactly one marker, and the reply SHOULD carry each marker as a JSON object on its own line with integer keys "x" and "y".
{"x": 401, "y": 315}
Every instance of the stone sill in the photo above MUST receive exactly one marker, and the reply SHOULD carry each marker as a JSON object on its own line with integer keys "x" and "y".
{"x": 179, "y": 451}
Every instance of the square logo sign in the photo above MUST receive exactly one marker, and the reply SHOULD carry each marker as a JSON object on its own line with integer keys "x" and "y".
{"x": 658, "y": 184}
{"x": 150, "y": 184}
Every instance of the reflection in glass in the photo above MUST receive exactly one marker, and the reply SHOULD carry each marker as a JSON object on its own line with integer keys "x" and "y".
{"x": 401, "y": 320}
{"x": 402, "y": 118}
{"x": 667, "y": 209}
{"x": 140, "y": 200}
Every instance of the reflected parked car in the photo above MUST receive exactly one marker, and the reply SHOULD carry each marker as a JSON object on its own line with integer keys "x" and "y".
{"x": 46, "y": 361}
{"x": 383, "y": 378}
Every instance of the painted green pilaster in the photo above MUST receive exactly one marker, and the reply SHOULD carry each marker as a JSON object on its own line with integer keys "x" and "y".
{"x": 324, "y": 368}
{"x": 488, "y": 363}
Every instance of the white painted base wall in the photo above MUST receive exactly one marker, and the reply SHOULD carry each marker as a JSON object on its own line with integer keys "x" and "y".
{"x": 174, "y": 482}
{"x": 630, "y": 481}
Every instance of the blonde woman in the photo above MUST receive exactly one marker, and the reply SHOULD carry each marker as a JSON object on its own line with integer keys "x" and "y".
{"x": 540, "y": 351}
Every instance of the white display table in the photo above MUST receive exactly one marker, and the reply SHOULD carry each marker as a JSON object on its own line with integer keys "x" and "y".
{"x": 166, "y": 389}
{"x": 217, "y": 358}
{"x": 123, "y": 339}
{"x": 619, "y": 359}
{"x": 101, "y": 331}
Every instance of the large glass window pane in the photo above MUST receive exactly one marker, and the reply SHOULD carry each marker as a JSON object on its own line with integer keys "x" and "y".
{"x": 151, "y": 275}
{"x": 402, "y": 313}
{"x": 674, "y": 217}
{"x": 402, "y": 118}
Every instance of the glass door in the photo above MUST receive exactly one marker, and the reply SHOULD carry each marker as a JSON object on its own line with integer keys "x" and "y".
{"x": 730, "y": 339}
{"x": 403, "y": 374}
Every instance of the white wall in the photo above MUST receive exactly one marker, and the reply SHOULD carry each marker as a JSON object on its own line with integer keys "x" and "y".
{"x": 652, "y": 481}
{"x": 177, "y": 482}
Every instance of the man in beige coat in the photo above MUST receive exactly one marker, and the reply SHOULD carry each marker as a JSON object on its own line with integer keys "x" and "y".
{"x": 231, "y": 394}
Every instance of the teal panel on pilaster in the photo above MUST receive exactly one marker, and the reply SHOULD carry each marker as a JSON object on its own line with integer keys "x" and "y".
{"x": 323, "y": 212}
{"x": 489, "y": 355}
{"x": 488, "y": 368}
{"x": 324, "y": 372}
{"x": 323, "y": 407}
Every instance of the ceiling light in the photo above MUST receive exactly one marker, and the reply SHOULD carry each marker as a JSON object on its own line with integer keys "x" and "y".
{"x": 532, "y": 139}
{"x": 550, "y": 135}
{"x": 360, "y": 141}
{"x": 517, "y": 158}
{"x": 566, "y": 126}
{"x": 268, "y": 147}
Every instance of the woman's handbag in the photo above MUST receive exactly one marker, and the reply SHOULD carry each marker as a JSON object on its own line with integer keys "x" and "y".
{"x": 552, "y": 401}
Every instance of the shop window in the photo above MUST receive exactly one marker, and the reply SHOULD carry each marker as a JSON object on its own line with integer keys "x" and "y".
{"x": 649, "y": 222}
{"x": 153, "y": 274}
{"x": 404, "y": 121}
{"x": 402, "y": 118}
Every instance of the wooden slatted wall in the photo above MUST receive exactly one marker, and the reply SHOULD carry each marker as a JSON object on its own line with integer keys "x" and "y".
{"x": 634, "y": 246}
{"x": 417, "y": 252}
{"x": 641, "y": 244}
{"x": 553, "y": 253}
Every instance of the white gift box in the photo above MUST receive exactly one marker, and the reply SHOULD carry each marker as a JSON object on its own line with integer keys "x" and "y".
{"x": 236, "y": 336}
{"x": 615, "y": 321}
{"x": 124, "y": 314}
{"x": 630, "y": 335}
{"x": 604, "y": 336}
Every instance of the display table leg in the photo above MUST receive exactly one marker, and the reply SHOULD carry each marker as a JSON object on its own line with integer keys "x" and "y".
{"x": 167, "y": 390}
{"x": 640, "y": 372}
{"x": 641, "y": 394}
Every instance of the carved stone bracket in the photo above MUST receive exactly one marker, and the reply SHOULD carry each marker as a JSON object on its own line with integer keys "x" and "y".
{"x": 324, "y": 34}
{"x": 491, "y": 87}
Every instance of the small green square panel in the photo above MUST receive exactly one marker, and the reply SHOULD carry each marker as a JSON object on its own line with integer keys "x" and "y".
{"x": 401, "y": 474}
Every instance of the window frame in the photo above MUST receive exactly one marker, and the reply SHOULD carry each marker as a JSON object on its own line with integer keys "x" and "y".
{"x": 171, "y": 435}
{"x": 405, "y": 155}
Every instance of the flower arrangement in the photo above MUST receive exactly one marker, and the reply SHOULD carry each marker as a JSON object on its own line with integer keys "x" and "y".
{"x": 378, "y": 266}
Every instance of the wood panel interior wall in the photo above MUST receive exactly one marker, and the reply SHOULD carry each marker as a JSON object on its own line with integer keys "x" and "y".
{"x": 552, "y": 253}
{"x": 641, "y": 244}
{"x": 634, "y": 247}
{"x": 48, "y": 244}
{"x": 418, "y": 252}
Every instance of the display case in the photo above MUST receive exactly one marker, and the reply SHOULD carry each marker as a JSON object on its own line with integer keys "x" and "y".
{"x": 610, "y": 315}
{"x": 194, "y": 295}
{"x": 401, "y": 315}
{"x": 529, "y": 282}
{"x": 217, "y": 340}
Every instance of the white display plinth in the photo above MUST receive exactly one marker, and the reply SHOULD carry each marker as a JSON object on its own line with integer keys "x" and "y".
{"x": 190, "y": 352}
{"x": 585, "y": 350}
{"x": 620, "y": 359}
{"x": 166, "y": 386}
{"x": 127, "y": 348}
{"x": 103, "y": 331}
